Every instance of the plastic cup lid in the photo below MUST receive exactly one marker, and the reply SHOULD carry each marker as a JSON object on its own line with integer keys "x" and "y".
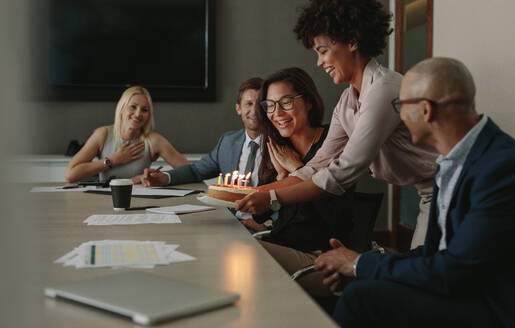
{"x": 121, "y": 182}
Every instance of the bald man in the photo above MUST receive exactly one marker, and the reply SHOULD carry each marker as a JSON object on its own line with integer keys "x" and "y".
{"x": 464, "y": 274}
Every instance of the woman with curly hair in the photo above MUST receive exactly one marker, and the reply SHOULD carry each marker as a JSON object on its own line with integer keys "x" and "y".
{"x": 365, "y": 134}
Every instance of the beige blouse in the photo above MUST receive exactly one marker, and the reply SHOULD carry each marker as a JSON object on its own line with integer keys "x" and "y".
{"x": 366, "y": 133}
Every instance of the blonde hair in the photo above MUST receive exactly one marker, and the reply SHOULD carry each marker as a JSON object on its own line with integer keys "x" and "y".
{"x": 122, "y": 104}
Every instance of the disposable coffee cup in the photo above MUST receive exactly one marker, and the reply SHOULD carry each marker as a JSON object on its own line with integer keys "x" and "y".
{"x": 121, "y": 189}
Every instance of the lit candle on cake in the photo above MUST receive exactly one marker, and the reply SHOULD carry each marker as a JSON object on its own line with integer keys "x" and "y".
{"x": 234, "y": 177}
{"x": 247, "y": 178}
{"x": 220, "y": 179}
{"x": 226, "y": 180}
{"x": 240, "y": 180}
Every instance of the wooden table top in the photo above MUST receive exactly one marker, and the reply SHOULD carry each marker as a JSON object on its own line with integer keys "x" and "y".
{"x": 41, "y": 227}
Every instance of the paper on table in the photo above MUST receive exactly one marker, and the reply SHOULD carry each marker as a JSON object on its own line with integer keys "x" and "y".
{"x": 67, "y": 257}
{"x": 171, "y": 254}
{"x": 143, "y": 191}
{"x": 122, "y": 254}
{"x": 60, "y": 189}
{"x": 121, "y": 219}
{"x": 180, "y": 209}
{"x": 177, "y": 256}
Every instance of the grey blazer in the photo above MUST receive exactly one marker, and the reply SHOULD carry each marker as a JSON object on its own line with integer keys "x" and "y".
{"x": 224, "y": 158}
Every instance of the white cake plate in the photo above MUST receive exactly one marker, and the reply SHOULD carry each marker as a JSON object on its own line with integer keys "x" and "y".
{"x": 216, "y": 202}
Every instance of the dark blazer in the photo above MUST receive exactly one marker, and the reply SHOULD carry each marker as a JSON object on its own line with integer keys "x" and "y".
{"x": 224, "y": 158}
{"x": 479, "y": 260}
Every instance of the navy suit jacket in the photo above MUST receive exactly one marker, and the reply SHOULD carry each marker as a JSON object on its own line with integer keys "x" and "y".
{"x": 480, "y": 258}
{"x": 224, "y": 158}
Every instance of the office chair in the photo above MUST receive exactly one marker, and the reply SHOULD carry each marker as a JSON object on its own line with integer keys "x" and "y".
{"x": 364, "y": 215}
{"x": 365, "y": 210}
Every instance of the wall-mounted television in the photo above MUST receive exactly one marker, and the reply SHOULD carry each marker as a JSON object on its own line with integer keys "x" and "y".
{"x": 93, "y": 49}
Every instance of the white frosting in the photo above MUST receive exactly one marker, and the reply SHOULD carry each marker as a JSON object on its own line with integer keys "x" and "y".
{"x": 236, "y": 190}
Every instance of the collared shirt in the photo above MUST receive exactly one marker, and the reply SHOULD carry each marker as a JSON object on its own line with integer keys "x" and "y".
{"x": 245, "y": 152}
{"x": 450, "y": 170}
{"x": 366, "y": 133}
{"x": 254, "y": 180}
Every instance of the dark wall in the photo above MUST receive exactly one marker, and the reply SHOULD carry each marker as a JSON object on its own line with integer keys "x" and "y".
{"x": 254, "y": 38}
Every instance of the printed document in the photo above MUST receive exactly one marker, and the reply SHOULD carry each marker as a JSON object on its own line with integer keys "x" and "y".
{"x": 180, "y": 209}
{"x": 123, "y": 219}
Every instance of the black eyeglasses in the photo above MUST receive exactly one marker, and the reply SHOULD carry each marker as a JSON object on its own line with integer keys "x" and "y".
{"x": 397, "y": 103}
{"x": 286, "y": 103}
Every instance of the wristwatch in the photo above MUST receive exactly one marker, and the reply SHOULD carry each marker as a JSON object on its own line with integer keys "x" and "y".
{"x": 107, "y": 162}
{"x": 275, "y": 205}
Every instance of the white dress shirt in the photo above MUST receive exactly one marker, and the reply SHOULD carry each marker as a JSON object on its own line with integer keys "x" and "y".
{"x": 245, "y": 152}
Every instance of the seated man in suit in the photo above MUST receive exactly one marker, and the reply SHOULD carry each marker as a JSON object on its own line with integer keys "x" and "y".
{"x": 235, "y": 150}
{"x": 232, "y": 152}
{"x": 464, "y": 274}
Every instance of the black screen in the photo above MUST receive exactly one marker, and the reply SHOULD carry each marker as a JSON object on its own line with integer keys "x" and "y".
{"x": 160, "y": 44}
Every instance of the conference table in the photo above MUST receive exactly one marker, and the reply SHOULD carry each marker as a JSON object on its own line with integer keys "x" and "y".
{"x": 227, "y": 258}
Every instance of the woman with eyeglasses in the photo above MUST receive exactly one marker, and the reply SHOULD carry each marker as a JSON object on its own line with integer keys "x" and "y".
{"x": 365, "y": 133}
{"x": 291, "y": 120}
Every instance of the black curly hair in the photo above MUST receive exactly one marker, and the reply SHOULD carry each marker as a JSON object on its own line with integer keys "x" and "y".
{"x": 364, "y": 22}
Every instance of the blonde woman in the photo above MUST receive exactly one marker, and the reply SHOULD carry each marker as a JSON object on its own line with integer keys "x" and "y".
{"x": 126, "y": 148}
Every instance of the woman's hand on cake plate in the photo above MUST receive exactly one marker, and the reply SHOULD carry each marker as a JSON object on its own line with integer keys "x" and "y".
{"x": 151, "y": 179}
{"x": 255, "y": 203}
{"x": 286, "y": 157}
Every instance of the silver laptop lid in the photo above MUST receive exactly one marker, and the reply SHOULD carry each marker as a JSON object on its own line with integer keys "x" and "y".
{"x": 144, "y": 297}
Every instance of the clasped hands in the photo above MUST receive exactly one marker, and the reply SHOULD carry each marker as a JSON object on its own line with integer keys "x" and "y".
{"x": 336, "y": 265}
{"x": 284, "y": 159}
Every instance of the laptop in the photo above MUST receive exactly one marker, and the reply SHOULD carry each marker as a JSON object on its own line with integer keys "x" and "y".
{"x": 143, "y": 297}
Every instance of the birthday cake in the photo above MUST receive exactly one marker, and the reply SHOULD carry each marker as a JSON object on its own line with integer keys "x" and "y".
{"x": 229, "y": 193}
